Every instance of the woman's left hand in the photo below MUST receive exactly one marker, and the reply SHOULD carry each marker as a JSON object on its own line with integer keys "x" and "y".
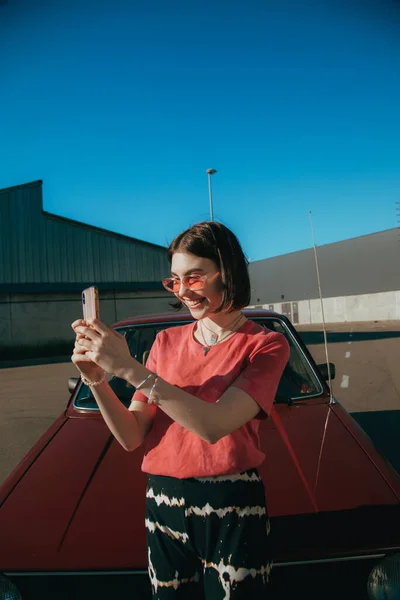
{"x": 105, "y": 347}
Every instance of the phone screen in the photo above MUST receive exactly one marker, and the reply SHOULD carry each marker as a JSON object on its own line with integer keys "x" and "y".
{"x": 90, "y": 303}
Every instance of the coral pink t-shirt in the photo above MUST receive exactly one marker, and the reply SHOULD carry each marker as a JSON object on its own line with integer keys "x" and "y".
{"x": 252, "y": 360}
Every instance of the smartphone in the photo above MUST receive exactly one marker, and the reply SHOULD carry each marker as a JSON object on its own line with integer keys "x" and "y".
{"x": 90, "y": 303}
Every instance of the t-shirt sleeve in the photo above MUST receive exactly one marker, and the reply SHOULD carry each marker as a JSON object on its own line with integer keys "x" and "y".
{"x": 151, "y": 363}
{"x": 260, "y": 377}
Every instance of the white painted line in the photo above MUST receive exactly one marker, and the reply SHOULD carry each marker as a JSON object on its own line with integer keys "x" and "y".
{"x": 345, "y": 381}
{"x": 347, "y": 355}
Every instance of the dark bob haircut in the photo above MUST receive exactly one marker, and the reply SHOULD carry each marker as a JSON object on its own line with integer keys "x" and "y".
{"x": 216, "y": 242}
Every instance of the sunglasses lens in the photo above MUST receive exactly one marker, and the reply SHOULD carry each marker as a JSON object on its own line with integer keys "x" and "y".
{"x": 175, "y": 285}
{"x": 169, "y": 284}
{"x": 195, "y": 283}
{"x": 192, "y": 283}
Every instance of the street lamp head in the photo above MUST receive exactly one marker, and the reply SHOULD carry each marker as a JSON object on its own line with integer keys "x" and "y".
{"x": 211, "y": 171}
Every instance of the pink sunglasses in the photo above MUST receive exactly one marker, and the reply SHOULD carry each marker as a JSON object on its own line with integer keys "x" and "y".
{"x": 191, "y": 282}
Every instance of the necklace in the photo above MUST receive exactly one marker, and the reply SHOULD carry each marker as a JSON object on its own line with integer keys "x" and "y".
{"x": 215, "y": 335}
{"x": 207, "y": 347}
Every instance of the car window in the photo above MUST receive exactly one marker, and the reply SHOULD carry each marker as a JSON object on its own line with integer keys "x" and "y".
{"x": 299, "y": 381}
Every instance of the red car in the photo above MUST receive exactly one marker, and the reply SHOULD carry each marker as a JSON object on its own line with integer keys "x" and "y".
{"x": 72, "y": 512}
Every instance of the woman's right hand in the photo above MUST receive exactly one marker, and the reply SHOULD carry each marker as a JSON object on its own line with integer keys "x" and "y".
{"x": 86, "y": 366}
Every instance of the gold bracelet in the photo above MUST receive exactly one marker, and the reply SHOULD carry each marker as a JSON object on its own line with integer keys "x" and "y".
{"x": 93, "y": 383}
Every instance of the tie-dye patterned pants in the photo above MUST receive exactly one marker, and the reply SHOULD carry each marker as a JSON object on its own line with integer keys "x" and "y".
{"x": 208, "y": 538}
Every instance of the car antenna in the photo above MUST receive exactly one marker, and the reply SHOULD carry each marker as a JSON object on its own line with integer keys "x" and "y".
{"x": 331, "y": 400}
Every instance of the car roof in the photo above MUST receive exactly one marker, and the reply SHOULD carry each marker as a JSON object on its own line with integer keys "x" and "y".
{"x": 170, "y": 317}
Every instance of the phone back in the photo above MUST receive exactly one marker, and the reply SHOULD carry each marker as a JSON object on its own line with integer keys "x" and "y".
{"x": 90, "y": 303}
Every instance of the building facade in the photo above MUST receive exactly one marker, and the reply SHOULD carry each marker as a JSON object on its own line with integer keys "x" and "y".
{"x": 46, "y": 261}
{"x": 360, "y": 281}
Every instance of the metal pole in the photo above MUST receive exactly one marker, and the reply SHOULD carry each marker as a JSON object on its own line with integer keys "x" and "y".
{"x": 209, "y": 173}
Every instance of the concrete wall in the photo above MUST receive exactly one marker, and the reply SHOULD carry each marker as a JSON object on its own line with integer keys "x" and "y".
{"x": 367, "y": 264}
{"x": 383, "y": 306}
{"x": 35, "y": 323}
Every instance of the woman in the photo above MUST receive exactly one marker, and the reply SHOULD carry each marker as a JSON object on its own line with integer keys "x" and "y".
{"x": 197, "y": 408}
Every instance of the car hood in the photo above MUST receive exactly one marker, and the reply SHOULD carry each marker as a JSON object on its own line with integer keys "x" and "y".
{"x": 81, "y": 504}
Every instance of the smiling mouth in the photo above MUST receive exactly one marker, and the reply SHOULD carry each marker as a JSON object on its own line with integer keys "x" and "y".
{"x": 193, "y": 303}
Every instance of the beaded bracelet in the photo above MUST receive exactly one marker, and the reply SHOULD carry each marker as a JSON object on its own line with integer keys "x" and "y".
{"x": 150, "y": 400}
{"x": 93, "y": 383}
{"x": 141, "y": 384}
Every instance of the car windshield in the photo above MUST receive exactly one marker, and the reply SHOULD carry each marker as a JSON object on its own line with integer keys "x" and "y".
{"x": 298, "y": 382}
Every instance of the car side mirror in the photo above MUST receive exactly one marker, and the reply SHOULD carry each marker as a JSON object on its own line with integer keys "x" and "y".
{"x": 72, "y": 381}
{"x": 323, "y": 369}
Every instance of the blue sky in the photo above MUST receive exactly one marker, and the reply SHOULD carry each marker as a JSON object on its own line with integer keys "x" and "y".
{"x": 120, "y": 107}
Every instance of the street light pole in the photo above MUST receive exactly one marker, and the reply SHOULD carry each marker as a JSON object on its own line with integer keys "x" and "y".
{"x": 209, "y": 173}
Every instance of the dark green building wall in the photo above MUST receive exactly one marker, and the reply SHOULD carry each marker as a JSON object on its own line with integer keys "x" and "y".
{"x": 46, "y": 261}
{"x": 40, "y": 249}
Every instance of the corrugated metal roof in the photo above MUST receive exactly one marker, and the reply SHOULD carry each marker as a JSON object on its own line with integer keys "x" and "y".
{"x": 37, "y": 247}
{"x": 362, "y": 265}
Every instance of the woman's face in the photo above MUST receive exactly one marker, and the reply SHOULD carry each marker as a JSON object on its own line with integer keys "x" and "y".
{"x": 205, "y": 301}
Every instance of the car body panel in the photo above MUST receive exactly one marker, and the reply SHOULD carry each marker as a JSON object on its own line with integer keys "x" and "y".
{"x": 23, "y": 466}
{"x": 77, "y": 500}
{"x": 35, "y": 516}
{"x": 317, "y": 465}
{"x": 94, "y": 517}
{"x": 385, "y": 468}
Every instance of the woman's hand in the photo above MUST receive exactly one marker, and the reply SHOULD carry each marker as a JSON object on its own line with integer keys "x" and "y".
{"x": 102, "y": 346}
{"x": 87, "y": 367}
